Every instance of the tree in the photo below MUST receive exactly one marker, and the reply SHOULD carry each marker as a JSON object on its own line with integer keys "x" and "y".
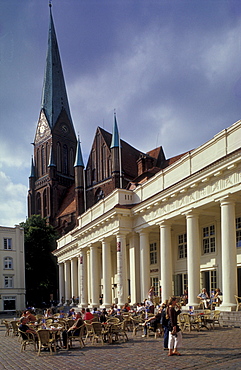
{"x": 40, "y": 264}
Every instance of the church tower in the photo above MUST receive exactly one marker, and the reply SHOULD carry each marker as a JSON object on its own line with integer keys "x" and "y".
{"x": 55, "y": 143}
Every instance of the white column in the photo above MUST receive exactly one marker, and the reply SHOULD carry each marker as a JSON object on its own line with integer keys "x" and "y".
{"x": 229, "y": 254}
{"x": 106, "y": 269}
{"x": 82, "y": 278}
{"x": 193, "y": 258}
{"x": 61, "y": 282}
{"x": 134, "y": 268}
{"x": 144, "y": 264}
{"x": 74, "y": 277}
{"x": 94, "y": 276}
{"x": 67, "y": 280}
{"x": 121, "y": 270}
{"x": 166, "y": 260}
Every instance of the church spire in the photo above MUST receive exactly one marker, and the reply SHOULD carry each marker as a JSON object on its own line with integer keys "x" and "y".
{"x": 115, "y": 142}
{"x": 54, "y": 95}
{"x": 78, "y": 158}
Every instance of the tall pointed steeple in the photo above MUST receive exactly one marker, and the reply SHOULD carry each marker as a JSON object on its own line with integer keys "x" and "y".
{"x": 79, "y": 181}
{"x": 115, "y": 142}
{"x": 54, "y": 95}
{"x": 116, "y": 155}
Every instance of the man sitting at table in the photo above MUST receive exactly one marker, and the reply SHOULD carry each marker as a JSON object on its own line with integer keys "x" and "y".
{"x": 25, "y": 328}
{"x": 73, "y": 330}
{"x": 88, "y": 315}
{"x": 203, "y": 296}
{"x": 152, "y": 321}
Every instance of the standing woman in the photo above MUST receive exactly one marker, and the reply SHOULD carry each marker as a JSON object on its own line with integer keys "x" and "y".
{"x": 175, "y": 334}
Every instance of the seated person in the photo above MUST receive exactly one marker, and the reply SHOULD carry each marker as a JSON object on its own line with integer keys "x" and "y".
{"x": 103, "y": 315}
{"x": 73, "y": 330}
{"x": 204, "y": 297}
{"x": 149, "y": 306}
{"x": 216, "y": 297}
{"x": 126, "y": 308}
{"x": 140, "y": 307}
{"x": 30, "y": 317}
{"x": 88, "y": 315}
{"x": 25, "y": 328}
{"x": 71, "y": 313}
{"x": 48, "y": 313}
{"x": 152, "y": 321}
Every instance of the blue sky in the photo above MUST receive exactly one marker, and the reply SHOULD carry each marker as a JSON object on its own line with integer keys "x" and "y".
{"x": 171, "y": 69}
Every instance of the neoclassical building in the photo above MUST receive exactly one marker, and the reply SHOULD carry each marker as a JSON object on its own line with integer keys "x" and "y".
{"x": 179, "y": 229}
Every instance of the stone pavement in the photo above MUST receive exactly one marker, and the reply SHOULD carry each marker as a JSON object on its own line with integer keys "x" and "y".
{"x": 212, "y": 349}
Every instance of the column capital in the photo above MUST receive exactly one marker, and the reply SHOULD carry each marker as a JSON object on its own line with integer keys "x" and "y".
{"x": 164, "y": 223}
{"x": 228, "y": 199}
{"x": 191, "y": 213}
{"x": 144, "y": 230}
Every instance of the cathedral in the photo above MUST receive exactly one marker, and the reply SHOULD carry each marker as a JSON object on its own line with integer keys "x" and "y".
{"x": 61, "y": 188}
{"x": 129, "y": 220}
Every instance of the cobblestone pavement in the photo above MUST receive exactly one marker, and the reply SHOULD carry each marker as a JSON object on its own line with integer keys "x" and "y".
{"x": 212, "y": 349}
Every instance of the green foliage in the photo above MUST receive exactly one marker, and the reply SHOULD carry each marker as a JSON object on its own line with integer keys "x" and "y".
{"x": 40, "y": 264}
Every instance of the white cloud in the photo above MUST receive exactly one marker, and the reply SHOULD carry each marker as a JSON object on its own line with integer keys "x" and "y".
{"x": 12, "y": 201}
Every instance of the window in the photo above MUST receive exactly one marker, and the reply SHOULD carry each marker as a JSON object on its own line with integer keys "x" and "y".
{"x": 213, "y": 278}
{"x": 209, "y": 239}
{"x": 182, "y": 246}
{"x": 155, "y": 284}
{"x": 238, "y": 232}
{"x": 153, "y": 254}
{"x": 7, "y": 243}
{"x": 8, "y": 263}
{"x": 65, "y": 160}
{"x": 9, "y": 303}
{"x": 8, "y": 282}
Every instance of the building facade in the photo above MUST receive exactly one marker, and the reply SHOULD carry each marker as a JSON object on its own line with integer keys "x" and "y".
{"x": 60, "y": 187}
{"x": 180, "y": 229}
{"x": 12, "y": 276}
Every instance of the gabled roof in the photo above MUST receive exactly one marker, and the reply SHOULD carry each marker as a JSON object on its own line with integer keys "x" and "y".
{"x": 54, "y": 95}
{"x": 129, "y": 154}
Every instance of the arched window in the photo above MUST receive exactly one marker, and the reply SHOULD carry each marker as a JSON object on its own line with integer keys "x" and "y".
{"x": 38, "y": 163}
{"x": 71, "y": 162}
{"x": 8, "y": 263}
{"x": 42, "y": 161}
{"x": 38, "y": 204}
{"x": 93, "y": 165}
{"x": 59, "y": 167}
{"x": 65, "y": 160}
{"x": 104, "y": 164}
{"x": 109, "y": 166}
{"x": 45, "y": 203}
{"x": 46, "y": 156}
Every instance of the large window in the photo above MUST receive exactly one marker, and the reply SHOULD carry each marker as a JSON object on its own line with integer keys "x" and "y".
{"x": 238, "y": 232}
{"x": 209, "y": 239}
{"x": 153, "y": 254}
{"x": 8, "y": 263}
{"x": 9, "y": 303}
{"x": 182, "y": 246}
{"x": 8, "y": 281}
{"x": 155, "y": 284}
{"x": 7, "y": 243}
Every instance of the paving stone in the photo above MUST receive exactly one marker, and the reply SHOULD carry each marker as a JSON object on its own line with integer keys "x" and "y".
{"x": 219, "y": 348}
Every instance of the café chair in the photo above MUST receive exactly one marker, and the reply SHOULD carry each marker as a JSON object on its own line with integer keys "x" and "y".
{"x": 76, "y": 335}
{"x": 46, "y": 340}
{"x": 238, "y": 302}
{"x": 27, "y": 339}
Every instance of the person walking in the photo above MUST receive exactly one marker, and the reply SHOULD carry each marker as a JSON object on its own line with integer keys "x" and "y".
{"x": 175, "y": 334}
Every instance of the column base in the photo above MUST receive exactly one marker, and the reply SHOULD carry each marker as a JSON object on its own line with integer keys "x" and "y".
{"x": 82, "y": 305}
{"x": 105, "y": 305}
{"x": 228, "y": 307}
{"x": 187, "y": 307}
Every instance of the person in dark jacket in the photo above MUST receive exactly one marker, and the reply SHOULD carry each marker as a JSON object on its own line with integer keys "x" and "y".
{"x": 175, "y": 334}
{"x": 165, "y": 323}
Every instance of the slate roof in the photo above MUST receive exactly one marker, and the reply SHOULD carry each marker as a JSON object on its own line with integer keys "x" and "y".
{"x": 54, "y": 95}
